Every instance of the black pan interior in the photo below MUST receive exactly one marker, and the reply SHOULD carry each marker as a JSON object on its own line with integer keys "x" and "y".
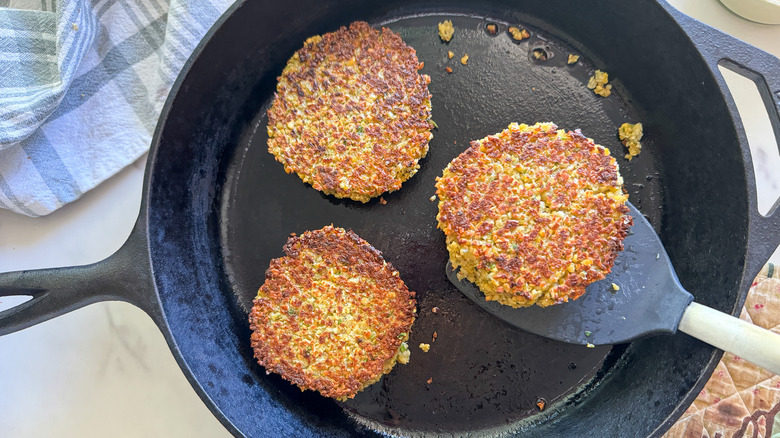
{"x": 483, "y": 373}
{"x": 221, "y": 208}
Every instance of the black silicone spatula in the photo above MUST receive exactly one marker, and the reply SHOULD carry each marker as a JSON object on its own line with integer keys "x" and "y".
{"x": 641, "y": 296}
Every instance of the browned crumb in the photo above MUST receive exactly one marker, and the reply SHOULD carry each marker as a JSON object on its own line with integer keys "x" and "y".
{"x": 573, "y": 59}
{"x": 630, "y": 134}
{"x": 465, "y": 59}
{"x": 435, "y": 310}
{"x": 382, "y": 200}
{"x": 540, "y": 54}
{"x": 448, "y": 69}
{"x": 450, "y": 54}
{"x": 446, "y": 30}
{"x": 598, "y": 83}
{"x": 540, "y": 404}
{"x": 435, "y": 335}
{"x": 492, "y": 28}
{"x": 517, "y": 33}
{"x": 429, "y": 381}
{"x": 320, "y": 319}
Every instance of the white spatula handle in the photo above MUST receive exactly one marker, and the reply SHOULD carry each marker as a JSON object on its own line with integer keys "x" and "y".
{"x": 752, "y": 343}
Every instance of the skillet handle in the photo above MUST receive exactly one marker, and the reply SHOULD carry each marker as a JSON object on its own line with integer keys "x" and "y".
{"x": 764, "y": 70}
{"x": 752, "y": 343}
{"x": 720, "y": 49}
{"x": 123, "y": 276}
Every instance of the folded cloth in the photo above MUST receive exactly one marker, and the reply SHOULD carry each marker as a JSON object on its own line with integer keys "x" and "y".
{"x": 82, "y": 84}
{"x": 740, "y": 399}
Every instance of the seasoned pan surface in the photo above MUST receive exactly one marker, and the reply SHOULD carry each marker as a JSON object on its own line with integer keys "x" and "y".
{"x": 216, "y": 209}
{"x": 480, "y": 374}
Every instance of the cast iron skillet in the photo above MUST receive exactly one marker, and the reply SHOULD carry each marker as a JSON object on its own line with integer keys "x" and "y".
{"x": 216, "y": 208}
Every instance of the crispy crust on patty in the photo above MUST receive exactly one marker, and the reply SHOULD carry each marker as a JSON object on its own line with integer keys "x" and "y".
{"x": 533, "y": 214}
{"x": 332, "y": 315}
{"x": 351, "y": 113}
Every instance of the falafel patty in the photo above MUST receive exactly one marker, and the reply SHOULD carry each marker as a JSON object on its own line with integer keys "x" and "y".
{"x": 332, "y": 315}
{"x": 351, "y": 115}
{"x": 533, "y": 214}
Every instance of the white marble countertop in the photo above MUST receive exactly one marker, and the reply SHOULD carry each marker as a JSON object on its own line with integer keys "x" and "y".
{"x": 105, "y": 370}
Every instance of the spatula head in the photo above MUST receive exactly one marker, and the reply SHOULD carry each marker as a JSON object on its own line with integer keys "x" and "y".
{"x": 649, "y": 298}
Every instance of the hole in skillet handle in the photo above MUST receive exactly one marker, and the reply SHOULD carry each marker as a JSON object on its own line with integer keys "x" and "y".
{"x": 753, "y": 111}
{"x": 650, "y": 299}
{"x": 11, "y": 301}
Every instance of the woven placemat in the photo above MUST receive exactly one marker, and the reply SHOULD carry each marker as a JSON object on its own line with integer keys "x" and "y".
{"x": 740, "y": 399}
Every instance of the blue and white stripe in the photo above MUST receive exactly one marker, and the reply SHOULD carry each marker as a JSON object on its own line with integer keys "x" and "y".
{"x": 82, "y": 83}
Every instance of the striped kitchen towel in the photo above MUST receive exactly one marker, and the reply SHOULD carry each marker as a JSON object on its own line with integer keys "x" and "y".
{"x": 82, "y": 83}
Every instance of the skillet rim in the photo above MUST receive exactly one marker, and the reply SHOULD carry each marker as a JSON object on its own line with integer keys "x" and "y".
{"x": 145, "y": 212}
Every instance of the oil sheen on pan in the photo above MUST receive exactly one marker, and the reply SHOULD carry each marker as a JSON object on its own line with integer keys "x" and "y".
{"x": 478, "y": 372}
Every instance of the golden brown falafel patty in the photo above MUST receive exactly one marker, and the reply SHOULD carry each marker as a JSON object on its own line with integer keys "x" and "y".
{"x": 332, "y": 315}
{"x": 351, "y": 113}
{"x": 533, "y": 214}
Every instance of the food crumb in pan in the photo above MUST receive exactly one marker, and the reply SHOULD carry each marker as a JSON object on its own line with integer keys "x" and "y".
{"x": 465, "y": 59}
{"x": 539, "y": 54}
{"x": 573, "y": 59}
{"x": 425, "y": 347}
{"x": 492, "y": 28}
{"x": 589, "y": 345}
{"x": 429, "y": 381}
{"x": 435, "y": 309}
{"x": 450, "y": 54}
{"x": 320, "y": 319}
{"x": 446, "y": 30}
{"x": 630, "y": 134}
{"x": 598, "y": 83}
{"x": 432, "y": 198}
{"x": 615, "y": 287}
{"x": 448, "y": 69}
{"x": 435, "y": 335}
{"x": 541, "y": 403}
{"x": 517, "y": 33}
{"x": 382, "y": 200}
{"x": 588, "y": 333}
